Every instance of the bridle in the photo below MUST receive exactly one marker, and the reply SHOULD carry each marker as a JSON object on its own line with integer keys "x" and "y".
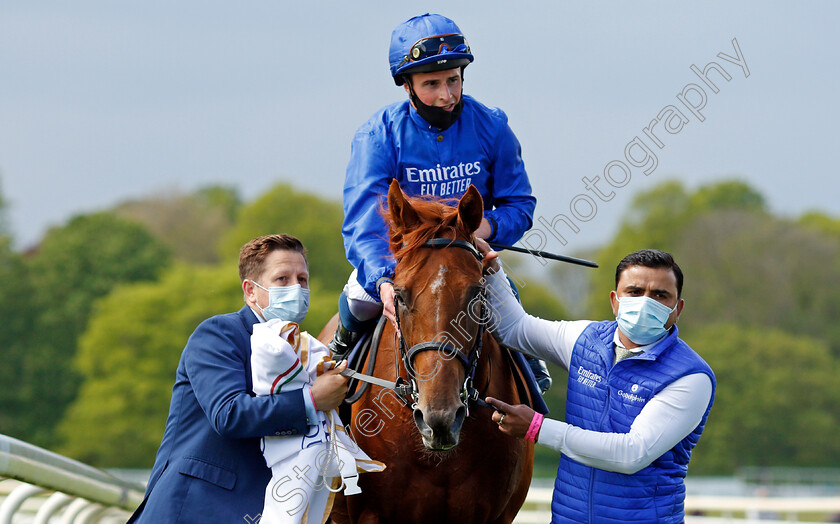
{"x": 468, "y": 392}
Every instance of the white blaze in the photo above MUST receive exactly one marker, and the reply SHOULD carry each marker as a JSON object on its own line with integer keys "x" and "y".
{"x": 435, "y": 287}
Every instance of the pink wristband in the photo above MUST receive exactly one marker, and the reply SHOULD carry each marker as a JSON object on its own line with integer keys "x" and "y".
{"x": 313, "y": 400}
{"x": 534, "y": 428}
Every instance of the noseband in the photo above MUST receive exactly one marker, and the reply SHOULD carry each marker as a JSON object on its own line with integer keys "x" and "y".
{"x": 468, "y": 392}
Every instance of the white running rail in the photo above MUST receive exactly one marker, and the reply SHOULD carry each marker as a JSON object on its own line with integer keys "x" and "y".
{"x": 84, "y": 493}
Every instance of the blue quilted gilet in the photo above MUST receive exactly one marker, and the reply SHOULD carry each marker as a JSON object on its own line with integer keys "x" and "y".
{"x": 606, "y": 398}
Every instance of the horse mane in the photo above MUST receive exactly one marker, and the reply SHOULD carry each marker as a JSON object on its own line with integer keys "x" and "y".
{"x": 438, "y": 219}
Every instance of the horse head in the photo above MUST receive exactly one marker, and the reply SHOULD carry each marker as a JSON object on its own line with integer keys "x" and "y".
{"x": 439, "y": 306}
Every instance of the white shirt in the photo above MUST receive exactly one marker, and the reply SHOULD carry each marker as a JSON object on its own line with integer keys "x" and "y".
{"x": 666, "y": 419}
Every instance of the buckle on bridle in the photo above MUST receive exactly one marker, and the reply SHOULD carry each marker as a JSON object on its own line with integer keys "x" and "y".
{"x": 414, "y": 393}
{"x": 403, "y": 388}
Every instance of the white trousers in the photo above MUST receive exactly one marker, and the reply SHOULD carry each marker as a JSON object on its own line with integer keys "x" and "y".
{"x": 362, "y": 306}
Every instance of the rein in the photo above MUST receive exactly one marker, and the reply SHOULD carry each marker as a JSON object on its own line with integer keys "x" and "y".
{"x": 400, "y": 387}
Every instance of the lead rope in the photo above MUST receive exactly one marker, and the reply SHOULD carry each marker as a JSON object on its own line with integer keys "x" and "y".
{"x": 332, "y": 457}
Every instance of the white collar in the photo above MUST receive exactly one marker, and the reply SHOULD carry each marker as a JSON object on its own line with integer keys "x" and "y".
{"x": 261, "y": 319}
{"x": 636, "y": 350}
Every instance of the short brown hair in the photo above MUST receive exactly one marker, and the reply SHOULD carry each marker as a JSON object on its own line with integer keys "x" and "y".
{"x": 253, "y": 254}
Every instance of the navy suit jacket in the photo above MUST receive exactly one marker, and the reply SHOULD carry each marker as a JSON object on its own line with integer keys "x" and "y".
{"x": 210, "y": 466}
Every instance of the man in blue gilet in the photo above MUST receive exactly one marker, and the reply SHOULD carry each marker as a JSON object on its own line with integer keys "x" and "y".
{"x": 637, "y": 400}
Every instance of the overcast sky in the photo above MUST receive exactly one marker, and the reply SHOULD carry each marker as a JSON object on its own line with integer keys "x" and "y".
{"x": 104, "y": 101}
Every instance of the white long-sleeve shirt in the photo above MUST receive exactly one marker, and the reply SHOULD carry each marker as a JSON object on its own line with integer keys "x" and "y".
{"x": 665, "y": 420}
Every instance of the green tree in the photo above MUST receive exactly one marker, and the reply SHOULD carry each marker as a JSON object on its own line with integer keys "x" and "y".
{"x": 128, "y": 357}
{"x": 726, "y": 195}
{"x": 741, "y": 264}
{"x": 657, "y": 219}
{"x": 755, "y": 270}
{"x": 189, "y": 225}
{"x": 224, "y": 198}
{"x": 74, "y": 265}
{"x": 776, "y": 402}
{"x": 538, "y": 301}
{"x": 317, "y": 223}
{"x": 821, "y": 222}
{"x": 654, "y": 219}
{"x": 18, "y": 313}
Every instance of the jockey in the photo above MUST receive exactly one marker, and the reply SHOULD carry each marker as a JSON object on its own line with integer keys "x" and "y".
{"x": 437, "y": 143}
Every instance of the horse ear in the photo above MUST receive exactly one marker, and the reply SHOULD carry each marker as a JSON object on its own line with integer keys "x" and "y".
{"x": 470, "y": 210}
{"x": 402, "y": 214}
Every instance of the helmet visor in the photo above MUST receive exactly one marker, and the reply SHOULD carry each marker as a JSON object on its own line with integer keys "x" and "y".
{"x": 436, "y": 45}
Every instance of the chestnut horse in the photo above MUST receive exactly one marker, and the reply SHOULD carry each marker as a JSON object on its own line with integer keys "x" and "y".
{"x": 446, "y": 459}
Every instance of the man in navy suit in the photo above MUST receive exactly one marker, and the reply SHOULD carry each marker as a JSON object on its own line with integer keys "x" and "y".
{"x": 210, "y": 467}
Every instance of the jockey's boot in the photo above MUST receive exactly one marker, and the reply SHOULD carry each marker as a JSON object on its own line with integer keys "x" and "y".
{"x": 350, "y": 329}
{"x": 343, "y": 341}
{"x": 540, "y": 371}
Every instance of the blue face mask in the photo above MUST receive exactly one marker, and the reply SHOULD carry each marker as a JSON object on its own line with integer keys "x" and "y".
{"x": 642, "y": 319}
{"x": 288, "y": 303}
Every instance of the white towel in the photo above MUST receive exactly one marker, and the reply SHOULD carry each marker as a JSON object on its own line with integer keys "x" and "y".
{"x": 304, "y": 468}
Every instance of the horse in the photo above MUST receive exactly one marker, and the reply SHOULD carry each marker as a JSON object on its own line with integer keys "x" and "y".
{"x": 446, "y": 460}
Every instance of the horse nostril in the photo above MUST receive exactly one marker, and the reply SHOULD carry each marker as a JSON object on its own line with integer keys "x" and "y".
{"x": 421, "y": 424}
{"x": 444, "y": 421}
{"x": 460, "y": 416}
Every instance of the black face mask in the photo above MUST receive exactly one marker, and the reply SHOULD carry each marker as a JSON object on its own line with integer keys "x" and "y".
{"x": 435, "y": 116}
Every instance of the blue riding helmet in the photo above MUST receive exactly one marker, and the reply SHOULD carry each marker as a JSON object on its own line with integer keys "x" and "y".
{"x": 427, "y": 43}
